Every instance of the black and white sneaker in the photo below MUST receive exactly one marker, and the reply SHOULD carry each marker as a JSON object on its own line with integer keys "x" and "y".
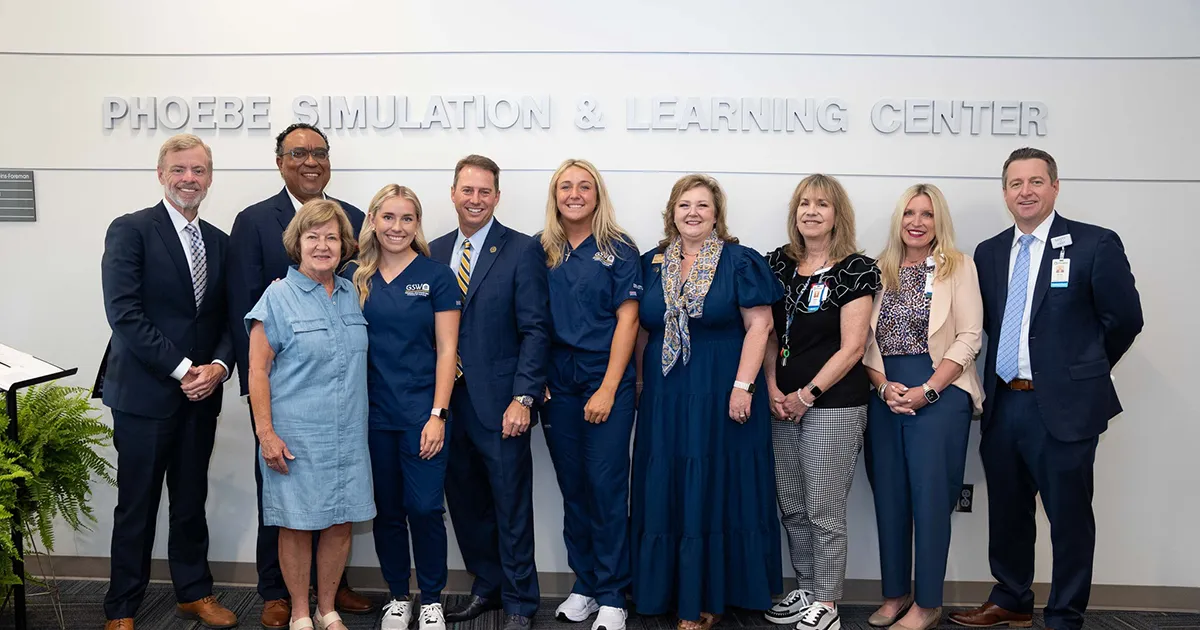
{"x": 432, "y": 617}
{"x": 818, "y": 616}
{"x": 790, "y": 608}
{"x": 397, "y": 615}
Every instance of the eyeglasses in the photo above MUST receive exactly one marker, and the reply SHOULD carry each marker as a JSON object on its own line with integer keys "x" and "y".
{"x": 301, "y": 154}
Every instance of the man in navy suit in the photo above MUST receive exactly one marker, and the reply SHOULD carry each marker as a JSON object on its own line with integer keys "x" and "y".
{"x": 1060, "y": 309}
{"x": 256, "y": 259}
{"x": 163, "y": 275}
{"x": 503, "y": 347}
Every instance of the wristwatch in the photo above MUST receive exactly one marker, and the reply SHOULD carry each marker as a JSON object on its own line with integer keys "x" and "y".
{"x": 749, "y": 387}
{"x": 440, "y": 412}
{"x": 814, "y": 390}
{"x": 931, "y": 394}
{"x": 526, "y": 401}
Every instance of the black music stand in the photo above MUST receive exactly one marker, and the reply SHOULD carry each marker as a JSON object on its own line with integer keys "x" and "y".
{"x": 18, "y": 370}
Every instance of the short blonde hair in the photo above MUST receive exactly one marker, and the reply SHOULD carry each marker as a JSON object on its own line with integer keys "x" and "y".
{"x": 182, "y": 142}
{"x": 312, "y": 214}
{"x": 843, "y": 240}
{"x": 686, "y": 183}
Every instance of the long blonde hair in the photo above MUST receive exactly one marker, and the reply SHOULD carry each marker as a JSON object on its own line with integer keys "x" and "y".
{"x": 368, "y": 242}
{"x": 842, "y": 241}
{"x": 604, "y": 219}
{"x": 945, "y": 255}
{"x": 686, "y": 183}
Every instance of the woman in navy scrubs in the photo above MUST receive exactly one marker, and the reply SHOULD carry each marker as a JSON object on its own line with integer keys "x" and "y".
{"x": 595, "y": 285}
{"x": 412, "y": 306}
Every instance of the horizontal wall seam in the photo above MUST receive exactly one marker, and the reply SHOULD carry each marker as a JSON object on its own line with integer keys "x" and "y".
{"x": 620, "y": 53}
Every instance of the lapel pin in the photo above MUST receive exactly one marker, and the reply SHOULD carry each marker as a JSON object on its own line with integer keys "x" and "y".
{"x": 492, "y": 250}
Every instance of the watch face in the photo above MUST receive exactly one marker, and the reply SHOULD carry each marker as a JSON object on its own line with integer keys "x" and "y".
{"x": 750, "y": 389}
{"x": 931, "y": 395}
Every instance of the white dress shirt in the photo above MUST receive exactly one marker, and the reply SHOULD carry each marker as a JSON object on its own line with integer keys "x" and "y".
{"x": 477, "y": 240}
{"x": 180, "y": 223}
{"x": 1041, "y": 234}
{"x": 296, "y": 202}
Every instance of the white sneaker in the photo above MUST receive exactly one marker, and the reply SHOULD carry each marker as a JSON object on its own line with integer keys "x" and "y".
{"x": 397, "y": 615}
{"x": 818, "y": 616}
{"x": 790, "y": 608}
{"x": 576, "y": 608}
{"x": 432, "y": 617}
{"x": 610, "y": 618}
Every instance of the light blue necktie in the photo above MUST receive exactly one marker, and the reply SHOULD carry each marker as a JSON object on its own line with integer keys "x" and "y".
{"x": 1008, "y": 351}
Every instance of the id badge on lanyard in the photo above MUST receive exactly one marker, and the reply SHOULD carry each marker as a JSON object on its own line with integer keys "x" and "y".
{"x": 816, "y": 296}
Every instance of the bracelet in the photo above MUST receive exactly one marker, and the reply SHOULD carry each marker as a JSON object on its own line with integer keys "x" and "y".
{"x": 882, "y": 391}
{"x": 805, "y": 402}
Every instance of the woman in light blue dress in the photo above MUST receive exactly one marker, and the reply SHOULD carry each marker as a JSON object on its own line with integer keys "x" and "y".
{"x": 308, "y": 384}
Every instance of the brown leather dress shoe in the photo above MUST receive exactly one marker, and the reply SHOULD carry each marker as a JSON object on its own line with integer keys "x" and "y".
{"x": 352, "y": 603}
{"x": 119, "y": 624}
{"x": 276, "y": 613}
{"x": 208, "y": 611}
{"x": 990, "y": 615}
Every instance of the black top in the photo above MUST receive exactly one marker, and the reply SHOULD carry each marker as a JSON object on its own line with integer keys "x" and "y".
{"x": 816, "y": 334}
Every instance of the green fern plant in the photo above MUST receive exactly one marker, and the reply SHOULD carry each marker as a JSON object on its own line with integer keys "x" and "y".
{"x": 59, "y": 432}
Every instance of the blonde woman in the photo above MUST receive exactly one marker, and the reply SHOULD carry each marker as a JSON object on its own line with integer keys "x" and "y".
{"x": 704, "y": 536}
{"x": 920, "y": 358}
{"x": 412, "y": 305}
{"x": 818, "y": 391}
{"x": 595, "y": 281}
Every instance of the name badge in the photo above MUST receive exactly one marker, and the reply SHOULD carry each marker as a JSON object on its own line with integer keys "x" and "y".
{"x": 1059, "y": 242}
{"x": 1060, "y": 272}
{"x": 929, "y": 283}
{"x": 816, "y": 296}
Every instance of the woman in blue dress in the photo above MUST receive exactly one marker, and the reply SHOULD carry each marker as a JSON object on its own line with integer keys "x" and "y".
{"x": 705, "y": 535}
{"x": 412, "y": 306}
{"x": 308, "y": 384}
{"x": 595, "y": 283}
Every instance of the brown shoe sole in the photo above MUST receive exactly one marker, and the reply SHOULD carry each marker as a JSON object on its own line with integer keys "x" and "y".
{"x": 1010, "y": 624}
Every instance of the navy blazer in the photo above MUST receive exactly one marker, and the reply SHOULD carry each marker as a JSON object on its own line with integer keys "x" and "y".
{"x": 504, "y": 334}
{"x": 151, "y": 307}
{"x": 257, "y": 258}
{"x": 1076, "y": 334}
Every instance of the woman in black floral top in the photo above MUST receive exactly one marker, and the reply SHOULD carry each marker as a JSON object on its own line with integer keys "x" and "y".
{"x": 819, "y": 391}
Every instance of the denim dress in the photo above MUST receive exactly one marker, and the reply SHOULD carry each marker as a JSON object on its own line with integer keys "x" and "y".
{"x": 318, "y": 404}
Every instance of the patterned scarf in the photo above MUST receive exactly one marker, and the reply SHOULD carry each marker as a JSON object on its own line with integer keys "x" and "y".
{"x": 685, "y": 298}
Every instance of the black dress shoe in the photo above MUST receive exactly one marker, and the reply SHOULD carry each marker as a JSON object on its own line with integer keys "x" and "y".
{"x": 517, "y": 622}
{"x": 474, "y": 607}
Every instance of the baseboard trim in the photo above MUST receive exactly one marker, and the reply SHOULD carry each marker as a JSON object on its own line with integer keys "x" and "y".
{"x": 1104, "y": 596}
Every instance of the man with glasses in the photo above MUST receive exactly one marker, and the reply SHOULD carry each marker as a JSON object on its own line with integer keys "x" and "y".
{"x": 256, "y": 259}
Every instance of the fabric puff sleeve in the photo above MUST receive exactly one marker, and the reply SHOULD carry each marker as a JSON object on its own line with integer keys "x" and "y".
{"x": 626, "y": 275}
{"x": 266, "y": 313}
{"x": 779, "y": 262}
{"x": 756, "y": 284}
{"x": 856, "y": 276}
{"x": 445, "y": 294}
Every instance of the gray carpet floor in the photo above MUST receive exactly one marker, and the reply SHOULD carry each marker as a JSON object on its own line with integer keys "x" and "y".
{"x": 83, "y": 608}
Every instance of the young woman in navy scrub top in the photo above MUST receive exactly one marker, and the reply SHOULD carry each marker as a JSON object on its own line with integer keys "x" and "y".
{"x": 595, "y": 284}
{"x": 412, "y": 306}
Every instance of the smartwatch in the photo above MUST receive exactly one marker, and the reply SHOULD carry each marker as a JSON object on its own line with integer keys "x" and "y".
{"x": 440, "y": 412}
{"x": 526, "y": 401}
{"x": 931, "y": 394}
{"x": 749, "y": 387}
{"x": 814, "y": 390}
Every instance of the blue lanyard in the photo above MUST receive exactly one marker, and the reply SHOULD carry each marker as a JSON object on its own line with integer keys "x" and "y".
{"x": 785, "y": 351}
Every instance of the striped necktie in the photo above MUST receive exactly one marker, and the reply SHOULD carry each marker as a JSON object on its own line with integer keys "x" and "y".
{"x": 464, "y": 281}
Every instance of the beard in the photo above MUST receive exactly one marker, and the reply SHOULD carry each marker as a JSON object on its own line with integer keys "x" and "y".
{"x": 182, "y": 204}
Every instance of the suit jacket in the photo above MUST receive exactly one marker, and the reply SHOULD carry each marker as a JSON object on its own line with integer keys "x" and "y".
{"x": 151, "y": 306}
{"x": 1076, "y": 334}
{"x": 955, "y": 328}
{"x": 504, "y": 334}
{"x": 257, "y": 258}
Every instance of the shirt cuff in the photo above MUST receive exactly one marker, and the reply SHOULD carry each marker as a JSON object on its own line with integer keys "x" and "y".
{"x": 180, "y": 371}
{"x": 227, "y": 372}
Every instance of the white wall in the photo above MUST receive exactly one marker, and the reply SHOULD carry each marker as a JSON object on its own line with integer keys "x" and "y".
{"x": 1120, "y": 79}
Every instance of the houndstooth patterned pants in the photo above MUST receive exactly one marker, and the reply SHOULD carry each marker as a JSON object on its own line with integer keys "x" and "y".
{"x": 814, "y": 467}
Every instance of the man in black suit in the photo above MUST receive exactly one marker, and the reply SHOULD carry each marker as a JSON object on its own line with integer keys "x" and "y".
{"x": 1060, "y": 309}
{"x": 256, "y": 259}
{"x": 163, "y": 275}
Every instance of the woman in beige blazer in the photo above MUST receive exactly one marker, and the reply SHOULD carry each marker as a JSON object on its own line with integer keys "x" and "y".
{"x": 925, "y": 333}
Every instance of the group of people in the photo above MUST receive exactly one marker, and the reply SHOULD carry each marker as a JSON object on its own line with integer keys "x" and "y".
{"x": 389, "y": 377}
